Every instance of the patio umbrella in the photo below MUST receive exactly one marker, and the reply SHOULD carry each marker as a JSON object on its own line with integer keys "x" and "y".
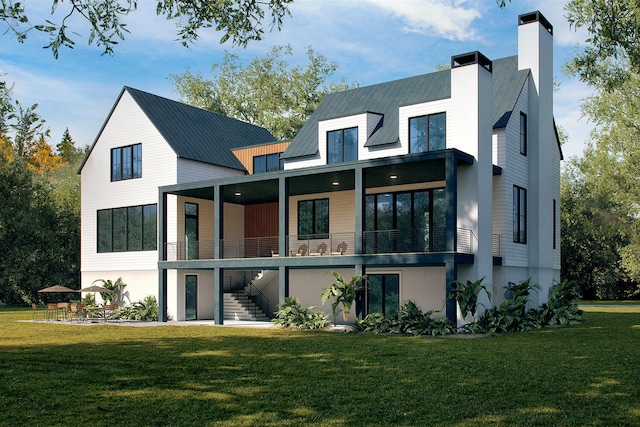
{"x": 57, "y": 288}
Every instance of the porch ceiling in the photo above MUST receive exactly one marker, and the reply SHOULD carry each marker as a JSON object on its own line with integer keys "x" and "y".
{"x": 405, "y": 173}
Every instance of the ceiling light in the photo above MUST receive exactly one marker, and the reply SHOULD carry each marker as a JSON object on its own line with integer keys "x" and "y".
{"x": 393, "y": 176}
{"x": 335, "y": 183}
{"x": 238, "y": 193}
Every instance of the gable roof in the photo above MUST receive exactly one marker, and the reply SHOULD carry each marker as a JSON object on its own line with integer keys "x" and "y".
{"x": 387, "y": 98}
{"x": 194, "y": 133}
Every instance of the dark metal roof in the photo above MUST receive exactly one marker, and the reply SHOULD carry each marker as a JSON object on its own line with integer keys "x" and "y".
{"x": 387, "y": 98}
{"x": 194, "y": 133}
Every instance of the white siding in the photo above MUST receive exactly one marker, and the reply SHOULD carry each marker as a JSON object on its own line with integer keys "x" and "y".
{"x": 192, "y": 171}
{"x": 127, "y": 125}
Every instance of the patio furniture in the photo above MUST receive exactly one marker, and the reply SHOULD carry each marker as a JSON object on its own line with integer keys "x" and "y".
{"x": 320, "y": 250}
{"x": 63, "y": 310}
{"x": 77, "y": 312}
{"x": 341, "y": 249}
{"x": 108, "y": 310}
{"x": 302, "y": 250}
{"x": 52, "y": 311}
{"x": 36, "y": 310}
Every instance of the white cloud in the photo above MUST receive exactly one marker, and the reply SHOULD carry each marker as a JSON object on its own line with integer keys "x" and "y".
{"x": 433, "y": 17}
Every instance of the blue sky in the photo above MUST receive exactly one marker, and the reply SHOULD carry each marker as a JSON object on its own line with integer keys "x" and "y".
{"x": 372, "y": 40}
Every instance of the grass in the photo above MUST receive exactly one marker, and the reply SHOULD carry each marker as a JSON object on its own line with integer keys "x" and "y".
{"x": 105, "y": 375}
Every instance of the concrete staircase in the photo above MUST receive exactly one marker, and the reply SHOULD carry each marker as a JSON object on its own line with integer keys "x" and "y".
{"x": 240, "y": 307}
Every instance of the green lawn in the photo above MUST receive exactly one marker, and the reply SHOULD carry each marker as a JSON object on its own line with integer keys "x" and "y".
{"x": 105, "y": 375}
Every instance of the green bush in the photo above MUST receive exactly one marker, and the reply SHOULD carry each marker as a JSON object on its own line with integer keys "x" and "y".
{"x": 410, "y": 320}
{"x": 146, "y": 310}
{"x": 292, "y": 314}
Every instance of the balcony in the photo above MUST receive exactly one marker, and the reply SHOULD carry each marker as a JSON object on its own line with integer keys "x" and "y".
{"x": 330, "y": 244}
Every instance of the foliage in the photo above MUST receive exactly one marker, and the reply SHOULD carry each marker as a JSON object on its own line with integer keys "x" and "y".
{"x": 594, "y": 232}
{"x": 344, "y": 292}
{"x": 117, "y": 294}
{"x": 561, "y": 309}
{"x": 239, "y": 20}
{"x": 466, "y": 295}
{"x": 410, "y": 320}
{"x": 292, "y": 314}
{"x": 268, "y": 92}
{"x": 146, "y": 310}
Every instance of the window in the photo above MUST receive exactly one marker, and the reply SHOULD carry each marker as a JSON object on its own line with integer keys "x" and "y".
{"x": 132, "y": 228}
{"x": 342, "y": 145}
{"x": 190, "y": 297}
{"x": 126, "y": 162}
{"x": 427, "y": 133}
{"x": 523, "y": 134}
{"x": 313, "y": 219}
{"x": 383, "y": 294}
{"x": 405, "y": 222}
{"x": 519, "y": 214}
{"x": 267, "y": 163}
{"x": 191, "y": 230}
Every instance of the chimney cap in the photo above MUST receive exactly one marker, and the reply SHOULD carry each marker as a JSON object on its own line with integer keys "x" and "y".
{"x": 472, "y": 58}
{"x": 527, "y": 18}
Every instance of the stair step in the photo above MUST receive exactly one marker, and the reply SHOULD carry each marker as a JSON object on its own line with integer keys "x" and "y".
{"x": 241, "y": 307}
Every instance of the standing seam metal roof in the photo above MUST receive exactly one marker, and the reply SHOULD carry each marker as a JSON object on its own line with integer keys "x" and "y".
{"x": 387, "y": 98}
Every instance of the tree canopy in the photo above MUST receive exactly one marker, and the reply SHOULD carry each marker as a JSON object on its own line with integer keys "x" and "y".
{"x": 240, "y": 21}
{"x": 268, "y": 92}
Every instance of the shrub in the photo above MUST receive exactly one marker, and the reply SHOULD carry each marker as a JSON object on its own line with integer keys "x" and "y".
{"x": 561, "y": 309}
{"x": 292, "y": 314}
{"x": 410, "y": 320}
{"x": 146, "y": 310}
{"x": 466, "y": 295}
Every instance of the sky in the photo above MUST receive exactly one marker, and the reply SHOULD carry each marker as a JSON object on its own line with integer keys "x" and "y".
{"x": 373, "y": 41}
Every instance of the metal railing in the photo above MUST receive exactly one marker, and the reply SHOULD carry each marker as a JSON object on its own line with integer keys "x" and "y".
{"x": 374, "y": 242}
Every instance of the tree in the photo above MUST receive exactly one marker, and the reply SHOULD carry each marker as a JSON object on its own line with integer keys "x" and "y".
{"x": 238, "y": 20}
{"x": 66, "y": 147}
{"x": 344, "y": 292}
{"x": 268, "y": 92}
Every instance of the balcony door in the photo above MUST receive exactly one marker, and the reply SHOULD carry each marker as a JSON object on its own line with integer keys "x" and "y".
{"x": 190, "y": 297}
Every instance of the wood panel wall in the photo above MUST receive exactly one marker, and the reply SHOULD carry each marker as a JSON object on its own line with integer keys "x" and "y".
{"x": 245, "y": 155}
{"x": 261, "y": 220}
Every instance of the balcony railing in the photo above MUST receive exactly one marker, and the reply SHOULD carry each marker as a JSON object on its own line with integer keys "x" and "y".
{"x": 374, "y": 242}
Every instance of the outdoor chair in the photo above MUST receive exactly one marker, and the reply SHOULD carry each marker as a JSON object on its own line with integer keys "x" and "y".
{"x": 108, "y": 311}
{"x": 36, "y": 310}
{"x": 63, "y": 310}
{"x": 302, "y": 250}
{"x": 52, "y": 311}
{"x": 320, "y": 250}
{"x": 77, "y": 312}
{"x": 341, "y": 249}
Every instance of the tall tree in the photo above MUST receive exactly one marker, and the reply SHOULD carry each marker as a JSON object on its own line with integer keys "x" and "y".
{"x": 240, "y": 21}
{"x": 268, "y": 92}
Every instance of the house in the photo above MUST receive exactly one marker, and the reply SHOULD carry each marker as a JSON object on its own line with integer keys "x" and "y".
{"x": 452, "y": 175}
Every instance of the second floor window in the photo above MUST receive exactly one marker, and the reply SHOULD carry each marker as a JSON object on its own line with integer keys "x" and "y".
{"x": 267, "y": 163}
{"x": 126, "y": 162}
{"x": 342, "y": 145}
{"x": 523, "y": 134}
{"x": 519, "y": 214}
{"x": 313, "y": 219}
{"x": 132, "y": 228}
{"x": 427, "y": 133}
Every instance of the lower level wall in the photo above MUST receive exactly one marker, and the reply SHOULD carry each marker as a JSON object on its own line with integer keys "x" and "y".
{"x": 140, "y": 283}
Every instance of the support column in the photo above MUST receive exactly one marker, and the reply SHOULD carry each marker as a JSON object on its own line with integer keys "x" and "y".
{"x": 451, "y": 306}
{"x": 218, "y": 295}
{"x": 161, "y": 245}
{"x": 283, "y": 283}
{"x": 359, "y": 208}
{"x": 451, "y": 200}
{"x": 360, "y": 270}
{"x": 218, "y": 221}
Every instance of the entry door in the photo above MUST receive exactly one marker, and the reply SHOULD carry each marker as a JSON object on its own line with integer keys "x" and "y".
{"x": 191, "y": 297}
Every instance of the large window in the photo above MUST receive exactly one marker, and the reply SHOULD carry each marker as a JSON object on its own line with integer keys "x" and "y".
{"x": 427, "y": 133}
{"x": 405, "y": 222}
{"x": 267, "y": 163}
{"x": 383, "y": 294}
{"x": 519, "y": 214}
{"x": 313, "y": 219}
{"x": 342, "y": 145}
{"x": 126, "y": 162}
{"x": 132, "y": 228}
{"x": 523, "y": 134}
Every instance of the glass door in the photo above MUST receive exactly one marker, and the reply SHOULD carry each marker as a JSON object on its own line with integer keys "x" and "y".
{"x": 190, "y": 297}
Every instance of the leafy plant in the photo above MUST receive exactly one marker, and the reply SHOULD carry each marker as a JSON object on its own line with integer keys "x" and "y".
{"x": 410, "y": 320}
{"x": 376, "y": 323}
{"x": 344, "y": 292}
{"x": 561, "y": 309}
{"x": 146, "y": 310}
{"x": 466, "y": 295}
{"x": 117, "y": 293}
{"x": 292, "y": 314}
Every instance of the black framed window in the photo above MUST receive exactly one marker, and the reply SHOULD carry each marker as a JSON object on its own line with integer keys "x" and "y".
{"x": 126, "y": 162}
{"x": 313, "y": 219}
{"x": 519, "y": 214}
{"x": 191, "y": 230}
{"x": 523, "y": 133}
{"x": 267, "y": 163}
{"x": 342, "y": 145}
{"x": 383, "y": 294}
{"x": 428, "y": 133}
{"x": 132, "y": 228}
{"x": 405, "y": 222}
